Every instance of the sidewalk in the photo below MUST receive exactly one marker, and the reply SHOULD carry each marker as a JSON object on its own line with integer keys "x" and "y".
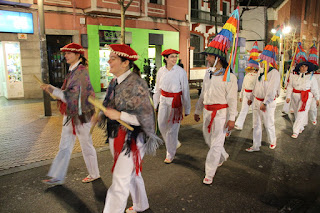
{"x": 27, "y": 136}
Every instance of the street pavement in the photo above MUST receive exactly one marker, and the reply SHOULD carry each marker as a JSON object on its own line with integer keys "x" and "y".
{"x": 286, "y": 179}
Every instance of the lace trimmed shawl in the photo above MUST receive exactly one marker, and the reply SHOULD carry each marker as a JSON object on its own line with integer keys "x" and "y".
{"x": 132, "y": 96}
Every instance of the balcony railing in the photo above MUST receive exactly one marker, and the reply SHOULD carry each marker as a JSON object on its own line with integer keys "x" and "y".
{"x": 205, "y": 17}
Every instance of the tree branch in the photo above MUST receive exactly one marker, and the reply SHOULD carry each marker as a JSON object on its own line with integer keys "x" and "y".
{"x": 126, "y": 7}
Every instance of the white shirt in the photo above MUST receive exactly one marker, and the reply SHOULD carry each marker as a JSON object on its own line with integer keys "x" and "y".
{"x": 305, "y": 83}
{"x": 173, "y": 81}
{"x": 248, "y": 82}
{"x": 217, "y": 91}
{"x": 268, "y": 89}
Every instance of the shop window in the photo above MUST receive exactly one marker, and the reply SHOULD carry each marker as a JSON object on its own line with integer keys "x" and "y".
{"x": 196, "y": 41}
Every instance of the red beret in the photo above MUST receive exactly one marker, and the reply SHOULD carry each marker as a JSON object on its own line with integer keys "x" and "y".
{"x": 123, "y": 50}
{"x": 73, "y": 47}
{"x": 169, "y": 51}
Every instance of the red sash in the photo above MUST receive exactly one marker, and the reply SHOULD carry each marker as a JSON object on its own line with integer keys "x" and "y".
{"x": 262, "y": 99}
{"x": 214, "y": 108}
{"x": 259, "y": 99}
{"x": 118, "y": 146}
{"x": 176, "y": 105}
{"x": 304, "y": 98}
{"x": 247, "y": 90}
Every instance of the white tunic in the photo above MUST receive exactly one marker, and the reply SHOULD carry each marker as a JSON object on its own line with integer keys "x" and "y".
{"x": 217, "y": 91}
{"x": 173, "y": 81}
{"x": 268, "y": 89}
{"x": 248, "y": 83}
{"x": 305, "y": 83}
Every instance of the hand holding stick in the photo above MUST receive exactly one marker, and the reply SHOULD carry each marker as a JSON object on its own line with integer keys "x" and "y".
{"x": 100, "y": 106}
{"x": 41, "y": 84}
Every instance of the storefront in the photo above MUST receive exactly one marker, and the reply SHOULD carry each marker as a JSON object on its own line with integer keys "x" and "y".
{"x": 15, "y": 28}
{"x": 148, "y": 44}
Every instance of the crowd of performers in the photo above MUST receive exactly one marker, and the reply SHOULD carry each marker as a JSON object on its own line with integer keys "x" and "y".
{"x": 128, "y": 99}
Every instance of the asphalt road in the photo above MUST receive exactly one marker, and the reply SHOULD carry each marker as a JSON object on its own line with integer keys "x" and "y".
{"x": 286, "y": 179}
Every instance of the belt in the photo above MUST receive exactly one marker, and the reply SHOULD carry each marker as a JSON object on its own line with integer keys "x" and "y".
{"x": 176, "y": 113}
{"x": 304, "y": 98}
{"x": 214, "y": 108}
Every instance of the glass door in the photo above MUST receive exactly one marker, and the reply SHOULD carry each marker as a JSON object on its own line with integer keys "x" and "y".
{"x": 13, "y": 72}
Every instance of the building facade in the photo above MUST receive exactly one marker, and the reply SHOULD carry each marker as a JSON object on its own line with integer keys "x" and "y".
{"x": 304, "y": 20}
{"x": 151, "y": 25}
{"x": 207, "y": 19}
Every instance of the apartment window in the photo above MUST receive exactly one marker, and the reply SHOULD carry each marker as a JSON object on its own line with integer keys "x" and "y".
{"x": 156, "y": 1}
{"x": 196, "y": 41}
{"x": 225, "y": 11}
{"x": 306, "y": 9}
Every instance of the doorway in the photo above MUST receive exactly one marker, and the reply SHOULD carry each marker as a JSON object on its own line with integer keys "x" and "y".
{"x": 58, "y": 67}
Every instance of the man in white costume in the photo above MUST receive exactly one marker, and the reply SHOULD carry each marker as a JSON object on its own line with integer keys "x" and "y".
{"x": 172, "y": 95}
{"x": 218, "y": 99}
{"x": 314, "y": 58}
{"x": 301, "y": 89}
{"x": 313, "y": 108}
{"x": 263, "y": 99}
{"x": 245, "y": 93}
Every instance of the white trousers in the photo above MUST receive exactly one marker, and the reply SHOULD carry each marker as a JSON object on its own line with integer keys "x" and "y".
{"x": 313, "y": 111}
{"x": 215, "y": 140}
{"x": 244, "y": 111}
{"x": 60, "y": 163}
{"x": 301, "y": 118}
{"x": 125, "y": 180}
{"x": 267, "y": 118}
{"x": 168, "y": 130}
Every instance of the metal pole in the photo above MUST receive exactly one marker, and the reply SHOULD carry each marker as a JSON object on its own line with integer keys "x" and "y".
{"x": 44, "y": 58}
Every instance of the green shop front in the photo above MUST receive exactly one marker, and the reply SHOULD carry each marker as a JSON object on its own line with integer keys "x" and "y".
{"x": 147, "y": 43}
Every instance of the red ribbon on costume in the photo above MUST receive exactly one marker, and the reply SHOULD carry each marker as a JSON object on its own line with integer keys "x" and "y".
{"x": 118, "y": 146}
{"x": 259, "y": 99}
{"x": 214, "y": 108}
{"x": 304, "y": 98}
{"x": 247, "y": 90}
{"x": 63, "y": 106}
{"x": 176, "y": 105}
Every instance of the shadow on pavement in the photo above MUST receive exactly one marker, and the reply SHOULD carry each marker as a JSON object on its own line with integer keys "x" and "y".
{"x": 99, "y": 189}
{"x": 189, "y": 162}
{"x": 69, "y": 199}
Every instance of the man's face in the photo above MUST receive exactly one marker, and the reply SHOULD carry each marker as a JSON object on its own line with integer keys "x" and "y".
{"x": 211, "y": 59}
{"x": 303, "y": 68}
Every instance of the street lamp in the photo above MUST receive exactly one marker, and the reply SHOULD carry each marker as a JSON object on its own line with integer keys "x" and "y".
{"x": 286, "y": 30}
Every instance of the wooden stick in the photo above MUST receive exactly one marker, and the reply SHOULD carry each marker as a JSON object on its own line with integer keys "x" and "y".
{"x": 41, "y": 83}
{"x": 100, "y": 106}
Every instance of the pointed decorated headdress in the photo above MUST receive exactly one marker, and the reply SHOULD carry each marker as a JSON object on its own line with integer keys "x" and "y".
{"x": 254, "y": 53}
{"x": 301, "y": 55}
{"x": 313, "y": 56}
{"x": 301, "y": 59}
{"x": 220, "y": 45}
{"x": 270, "y": 52}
